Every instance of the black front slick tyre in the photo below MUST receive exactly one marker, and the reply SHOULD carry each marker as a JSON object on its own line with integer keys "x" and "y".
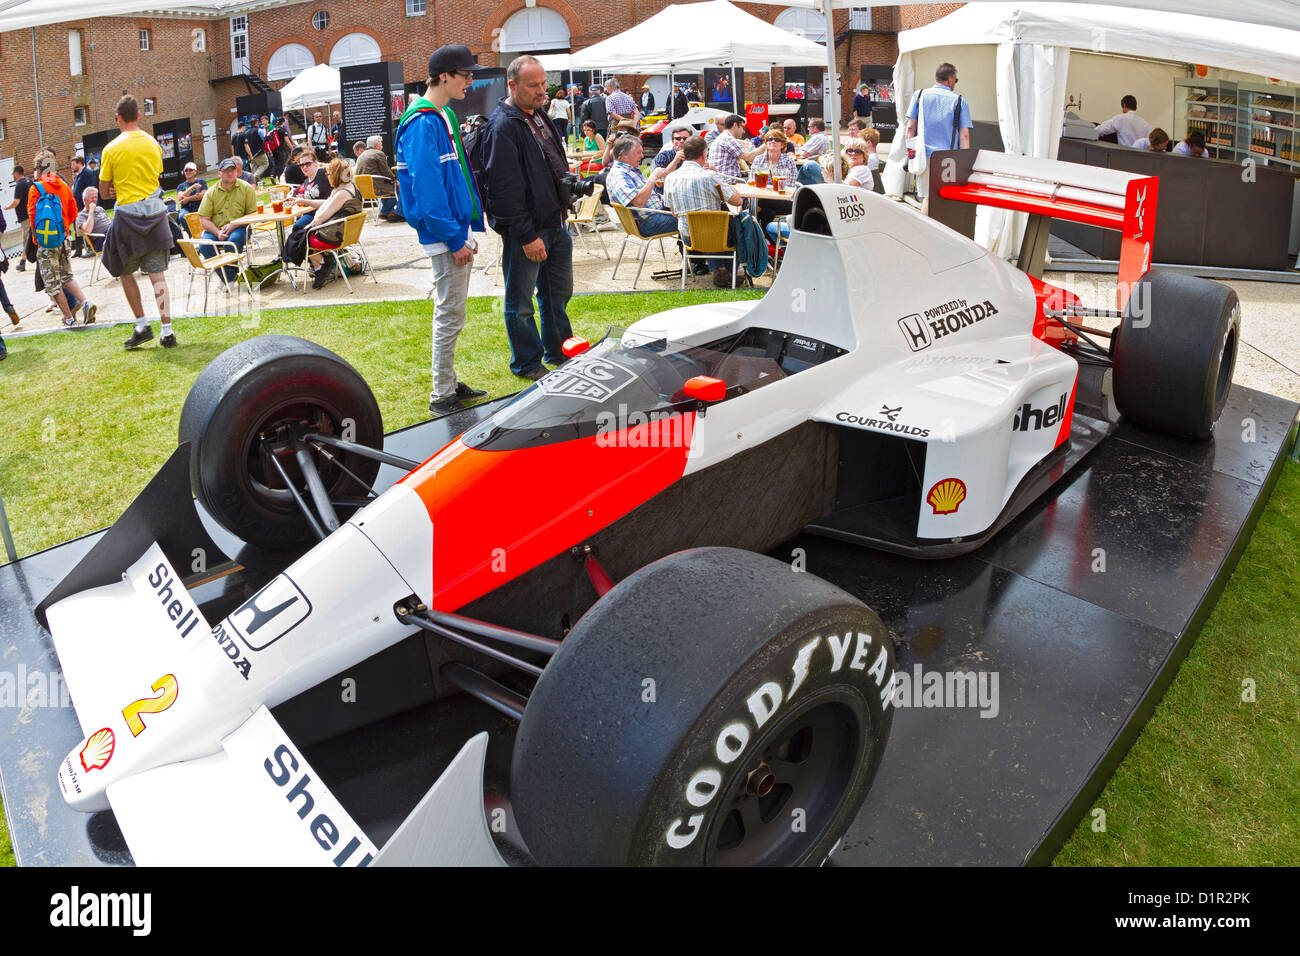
{"x": 714, "y": 708}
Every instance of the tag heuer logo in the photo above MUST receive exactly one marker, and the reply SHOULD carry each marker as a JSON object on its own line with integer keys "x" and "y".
{"x": 591, "y": 379}
{"x": 270, "y": 614}
{"x": 916, "y": 331}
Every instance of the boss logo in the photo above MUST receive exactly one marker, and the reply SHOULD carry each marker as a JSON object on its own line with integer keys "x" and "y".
{"x": 852, "y": 211}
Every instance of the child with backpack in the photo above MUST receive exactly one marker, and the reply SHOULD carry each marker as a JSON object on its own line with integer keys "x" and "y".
{"x": 52, "y": 211}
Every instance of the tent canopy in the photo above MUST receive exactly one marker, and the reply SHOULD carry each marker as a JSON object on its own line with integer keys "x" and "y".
{"x": 1227, "y": 44}
{"x": 316, "y": 86}
{"x": 694, "y": 36}
{"x": 1271, "y": 13}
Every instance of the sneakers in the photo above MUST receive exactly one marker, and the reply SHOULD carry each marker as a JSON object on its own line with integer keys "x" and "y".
{"x": 535, "y": 373}
{"x": 464, "y": 391}
{"x": 324, "y": 274}
{"x": 22, "y": 264}
{"x": 445, "y": 407}
{"x": 13, "y": 317}
{"x": 70, "y": 322}
{"x": 73, "y": 304}
{"x": 722, "y": 277}
{"x": 141, "y": 336}
{"x": 168, "y": 341}
{"x": 88, "y": 311}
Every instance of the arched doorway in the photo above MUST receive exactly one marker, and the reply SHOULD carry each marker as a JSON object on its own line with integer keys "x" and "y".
{"x": 288, "y": 61}
{"x": 809, "y": 24}
{"x": 354, "y": 50}
{"x": 533, "y": 30}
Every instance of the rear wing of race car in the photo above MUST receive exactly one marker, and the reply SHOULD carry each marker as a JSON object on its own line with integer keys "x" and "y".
{"x": 1048, "y": 189}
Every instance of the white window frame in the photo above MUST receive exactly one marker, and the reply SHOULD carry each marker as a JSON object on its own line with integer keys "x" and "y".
{"x": 76, "y": 66}
{"x": 84, "y": 113}
{"x": 145, "y": 41}
{"x": 320, "y": 26}
{"x": 150, "y": 106}
{"x": 416, "y": 8}
{"x": 2, "y": 130}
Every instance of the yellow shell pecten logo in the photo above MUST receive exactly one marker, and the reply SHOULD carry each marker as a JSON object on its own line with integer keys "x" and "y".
{"x": 98, "y": 750}
{"x": 946, "y": 496}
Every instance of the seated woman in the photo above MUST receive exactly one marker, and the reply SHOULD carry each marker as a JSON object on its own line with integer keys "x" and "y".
{"x": 330, "y": 194}
{"x": 775, "y": 162}
{"x": 589, "y": 142}
{"x": 861, "y": 159}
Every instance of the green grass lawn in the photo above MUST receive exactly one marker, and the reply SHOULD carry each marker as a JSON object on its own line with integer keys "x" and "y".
{"x": 1211, "y": 780}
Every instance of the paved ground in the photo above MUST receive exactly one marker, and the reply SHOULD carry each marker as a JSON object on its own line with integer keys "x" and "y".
{"x": 1270, "y": 360}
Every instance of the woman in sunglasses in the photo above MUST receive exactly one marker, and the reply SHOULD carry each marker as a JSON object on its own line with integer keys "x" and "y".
{"x": 777, "y": 163}
{"x": 861, "y": 159}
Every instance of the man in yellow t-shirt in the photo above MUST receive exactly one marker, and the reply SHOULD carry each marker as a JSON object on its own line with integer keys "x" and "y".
{"x": 140, "y": 236}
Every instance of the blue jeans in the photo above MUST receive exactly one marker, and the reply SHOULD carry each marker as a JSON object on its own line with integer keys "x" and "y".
{"x": 388, "y": 205}
{"x": 238, "y": 237}
{"x": 553, "y": 280}
{"x": 655, "y": 223}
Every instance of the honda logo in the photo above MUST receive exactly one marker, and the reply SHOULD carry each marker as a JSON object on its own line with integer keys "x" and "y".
{"x": 916, "y": 331}
{"x": 270, "y": 614}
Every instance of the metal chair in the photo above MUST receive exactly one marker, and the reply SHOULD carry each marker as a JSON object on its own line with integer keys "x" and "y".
{"x": 219, "y": 260}
{"x": 586, "y": 216}
{"x": 352, "y": 227}
{"x": 98, "y": 263}
{"x": 627, "y": 218}
{"x": 709, "y": 240}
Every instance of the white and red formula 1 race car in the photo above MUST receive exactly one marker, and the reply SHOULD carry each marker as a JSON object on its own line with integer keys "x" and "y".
{"x": 590, "y": 558}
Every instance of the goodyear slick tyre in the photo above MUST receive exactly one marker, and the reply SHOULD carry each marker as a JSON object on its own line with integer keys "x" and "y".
{"x": 1175, "y": 352}
{"x": 245, "y": 391}
{"x": 716, "y": 707}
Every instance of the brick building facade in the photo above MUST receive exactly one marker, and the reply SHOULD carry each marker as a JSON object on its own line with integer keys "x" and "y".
{"x": 188, "y": 69}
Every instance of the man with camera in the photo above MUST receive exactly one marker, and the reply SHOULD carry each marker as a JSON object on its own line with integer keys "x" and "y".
{"x": 528, "y": 189}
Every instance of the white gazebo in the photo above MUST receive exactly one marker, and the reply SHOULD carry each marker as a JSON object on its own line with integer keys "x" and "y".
{"x": 316, "y": 86}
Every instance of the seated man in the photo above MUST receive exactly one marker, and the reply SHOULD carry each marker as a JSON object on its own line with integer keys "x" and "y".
{"x": 692, "y": 188}
{"x": 1193, "y": 145}
{"x": 731, "y": 146}
{"x": 92, "y": 219}
{"x": 628, "y": 187}
{"x": 818, "y": 142}
{"x": 189, "y": 194}
{"x": 373, "y": 162}
{"x": 672, "y": 149}
{"x": 225, "y": 202}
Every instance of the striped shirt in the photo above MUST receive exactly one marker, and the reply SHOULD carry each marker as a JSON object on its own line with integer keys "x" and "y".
{"x": 693, "y": 188}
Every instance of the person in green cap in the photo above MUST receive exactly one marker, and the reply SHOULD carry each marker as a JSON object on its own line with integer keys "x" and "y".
{"x": 440, "y": 199}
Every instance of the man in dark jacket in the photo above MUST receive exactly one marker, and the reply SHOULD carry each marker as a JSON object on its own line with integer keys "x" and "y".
{"x": 523, "y": 159}
{"x": 679, "y": 103}
{"x": 593, "y": 108}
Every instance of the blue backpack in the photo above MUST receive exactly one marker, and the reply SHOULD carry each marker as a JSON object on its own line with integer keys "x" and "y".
{"x": 47, "y": 222}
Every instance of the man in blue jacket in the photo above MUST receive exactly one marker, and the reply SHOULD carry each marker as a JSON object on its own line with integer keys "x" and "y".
{"x": 523, "y": 161}
{"x": 440, "y": 199}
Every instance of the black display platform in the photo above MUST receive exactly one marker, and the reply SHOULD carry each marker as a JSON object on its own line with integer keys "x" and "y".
{"x": 1081, "y": 655}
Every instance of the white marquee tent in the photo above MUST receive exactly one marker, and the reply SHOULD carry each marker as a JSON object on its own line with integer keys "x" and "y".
{"x": 315, "y": 86}
{"x": 1033, "y": 43}
{"x": 696, "y": 36}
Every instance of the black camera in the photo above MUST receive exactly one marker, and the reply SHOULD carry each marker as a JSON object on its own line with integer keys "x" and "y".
{"x": 570, "y": 186}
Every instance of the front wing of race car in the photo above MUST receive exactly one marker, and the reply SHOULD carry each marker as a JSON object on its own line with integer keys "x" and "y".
{"x": 178, "y": 738}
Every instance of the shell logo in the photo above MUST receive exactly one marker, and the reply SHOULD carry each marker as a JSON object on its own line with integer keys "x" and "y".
{"x": 946, "y": 496}
{"x": 98, "y": 750}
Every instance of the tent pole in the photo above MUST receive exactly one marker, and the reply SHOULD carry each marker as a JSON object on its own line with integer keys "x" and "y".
{"x": 831, "y": 92}
{"x": 737, "y": 101}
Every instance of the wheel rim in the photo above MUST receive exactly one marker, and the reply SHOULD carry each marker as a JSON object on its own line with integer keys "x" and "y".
{"x": 263, "y": 480}
{"x": 1227, "y": 361}
{"x": 807, "y": 762}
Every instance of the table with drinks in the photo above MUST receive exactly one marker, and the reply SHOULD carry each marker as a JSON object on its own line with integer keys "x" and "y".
{"x": 279, "y": 213}
{"x": 761, "y": 186}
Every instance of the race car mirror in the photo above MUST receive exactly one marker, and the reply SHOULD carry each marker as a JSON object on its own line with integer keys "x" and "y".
{"x": 706, "y": 388}
{"x": 574, "y": 345}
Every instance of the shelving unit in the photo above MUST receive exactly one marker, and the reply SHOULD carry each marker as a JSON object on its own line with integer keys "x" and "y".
{"x": 1239, "y": 120}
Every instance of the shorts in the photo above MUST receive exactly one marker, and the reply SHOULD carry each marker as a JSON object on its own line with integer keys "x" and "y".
{"x": 55, "y": 268}
{"x": 151, "y": 262}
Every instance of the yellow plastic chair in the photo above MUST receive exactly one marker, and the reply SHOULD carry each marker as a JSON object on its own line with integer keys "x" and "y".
{"x": 227, "y": 254}
{"x": 352, "y": 227}
{"x": 708, "y": 240}
{"x": 627, "y": 218}
{"x": 586, "y": 216}
{"x": 369, "y": 198}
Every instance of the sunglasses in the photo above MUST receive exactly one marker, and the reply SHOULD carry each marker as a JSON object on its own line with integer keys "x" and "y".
{"x": 858, "y": 151}
{"x": 307, "y": 162}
